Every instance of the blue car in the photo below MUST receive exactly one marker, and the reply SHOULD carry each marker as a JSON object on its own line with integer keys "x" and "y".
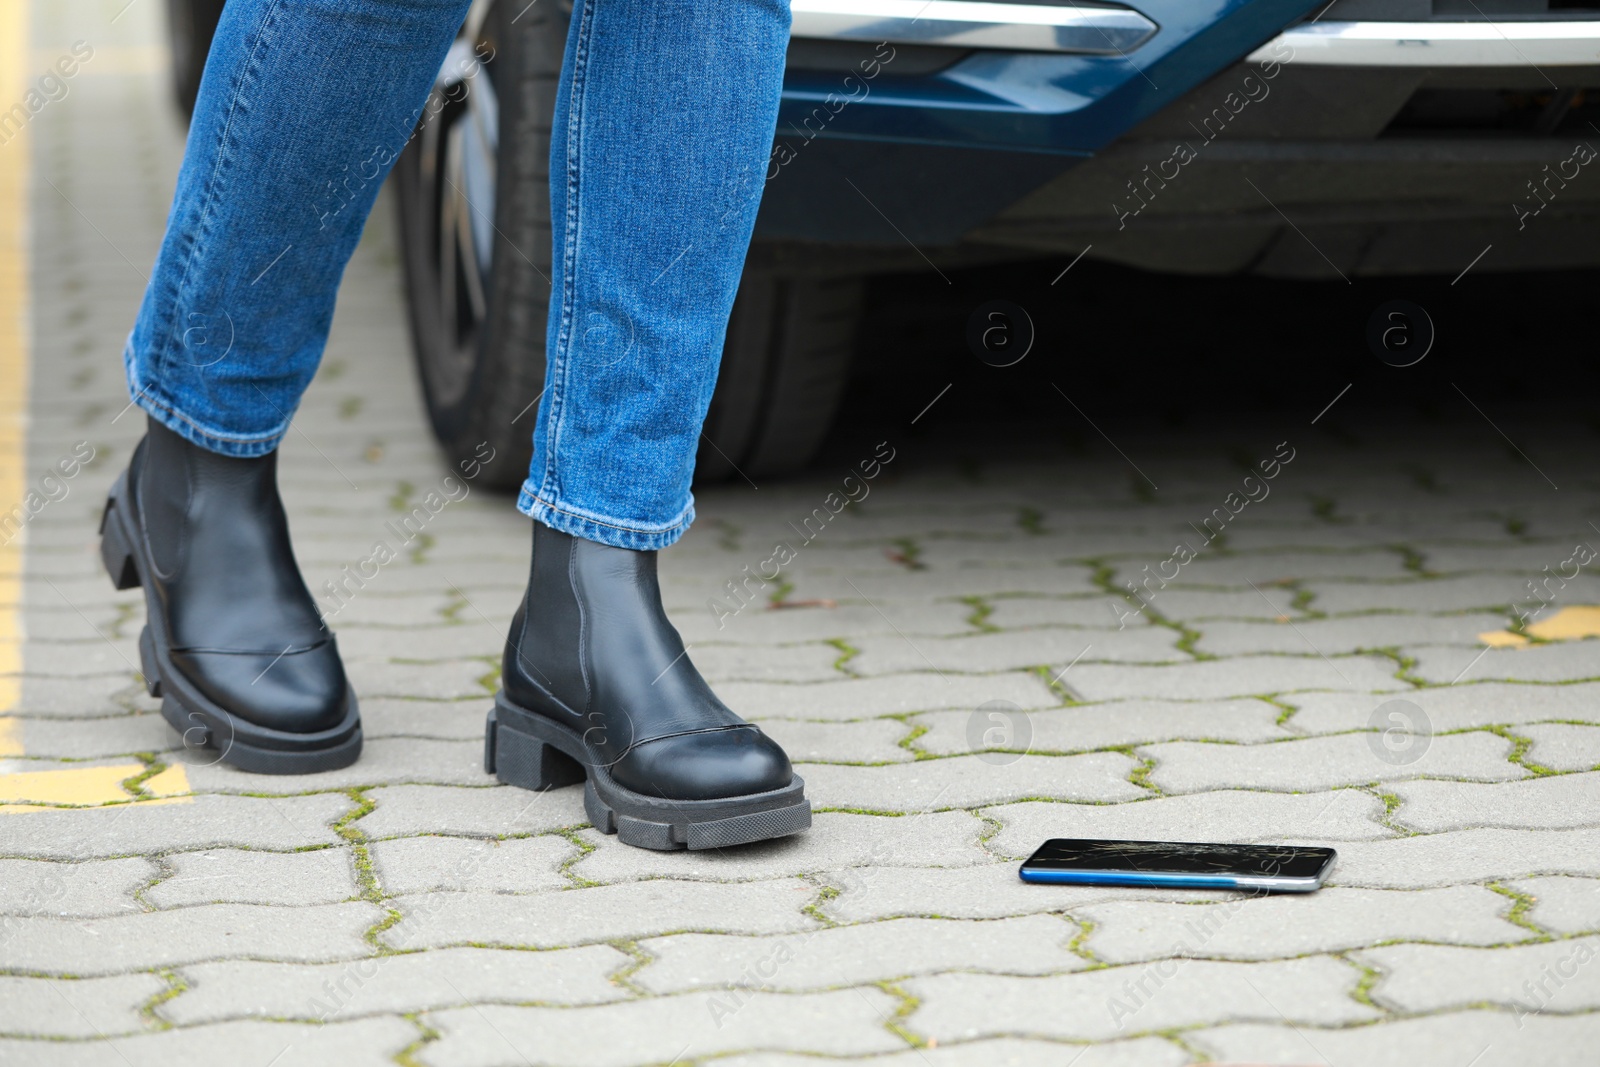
{"x": 1290, "y": 138}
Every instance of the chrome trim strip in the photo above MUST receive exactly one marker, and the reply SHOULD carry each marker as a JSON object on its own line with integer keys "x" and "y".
{"x": 1081, "y": 28}
{"x": 1435, "y": 44}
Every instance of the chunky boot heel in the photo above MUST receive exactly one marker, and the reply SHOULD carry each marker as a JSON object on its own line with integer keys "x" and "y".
{"x": 523, "y": 760}
{"x": 115, "y": 553}
{"x": 148, "y": 661}
{"x": 598, "y": 686}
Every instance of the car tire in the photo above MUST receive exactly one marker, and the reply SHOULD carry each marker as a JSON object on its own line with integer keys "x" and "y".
{"x": 190, "y": 26}
{"x": 482, "y": 366}
{"x": 784, "y": 367}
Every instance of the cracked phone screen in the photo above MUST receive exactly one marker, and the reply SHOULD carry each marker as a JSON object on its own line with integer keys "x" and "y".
{"x": 1180, "y": 857}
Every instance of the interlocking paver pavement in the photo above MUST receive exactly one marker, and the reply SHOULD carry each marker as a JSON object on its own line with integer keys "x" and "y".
{"x": 981, "y": 682}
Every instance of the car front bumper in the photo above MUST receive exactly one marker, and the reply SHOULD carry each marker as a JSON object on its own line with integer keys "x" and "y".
{"x": 1006, "y": 148}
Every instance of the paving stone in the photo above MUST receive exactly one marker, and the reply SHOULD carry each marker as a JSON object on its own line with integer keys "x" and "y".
{"x": 1558, "y": 802}
{"x": 63, "y": 624}
{"x": 76, "y": 890}
{"x": 1527, "y": 558}
{"x": 964, "y": 781}
{"x": 1017, "y": 650}
{"x": 627, "y": 911}
{"x": 441, "y": 640}
{"x": 691, "y": 1027}
{"x": 1324, "y": 762}
{"x": 494, "y": 811}
{"x": 76, "y": 1007}
{"x": 1262, "y": 568}
{"x": 236, "y": 876}
{"x": 932, "y": 584}
{"x": 384, "y": 761}
{"x": 1247, "y": 815}
{"x": 1067, "y": 541}
{"x": 1564, "y": 747}
{"x": 1565, "y": 905}
{"x": 780, "y": 663}
{"x": 1092, "y": 726}
{"x": 1332, "y": 637}
{"x": 404, "y": 576}
{"x": 76, "y": 697}
{"x": 451, "y": 720}
{"x": 991, "y": 891}
{"x": 362, "y": 1043}
{"x": 1273, "y": 927}
{"x": 1000, "y": 1052}
{"x": 1566, "y": 661}
{"x": 170, "y": 825}
{"x": 373, "y": 608}
{"x": 1456, "y": 707}
{"x": 99, "y": 654}
{"x": 395, "y": 984}
{"x": 1193, "y": 605}
{"x": 1095, "y": 613}
{"x": 1481, "y": 1038}
{"x": 97, "y": 738}
{"x": 1467, "y": 856}
{"x": 1467, "y": 593}
{"x": 445, "y": 680}
{"x": 87, "y": 947}
{"x": 854, "y": 955}
{"x": 423, "y": 864}
{"x": 860, "y": 698}
{"x": 874, "y": 741}
{"x": 835, "y": 840}
{"x": 1106, "y": 1003}
{"x": 1240, "y": 676}
{"x": 1555, "y": 976}
{"x": 757, "y": 623}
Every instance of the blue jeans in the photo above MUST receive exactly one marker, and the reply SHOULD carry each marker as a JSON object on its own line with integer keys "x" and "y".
{"x": 662, "y": 133}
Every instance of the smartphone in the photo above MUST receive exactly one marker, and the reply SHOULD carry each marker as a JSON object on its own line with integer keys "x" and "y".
{"x": 1179, "y": 864}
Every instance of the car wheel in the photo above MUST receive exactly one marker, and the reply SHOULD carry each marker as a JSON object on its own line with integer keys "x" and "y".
{"x": 190, "y": 27}
{"x": 474, "y": 204}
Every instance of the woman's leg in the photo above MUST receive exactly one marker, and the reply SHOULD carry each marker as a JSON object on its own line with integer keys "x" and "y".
{"x": 303, "y": 107}
{"x": 659, "y": 152}
{"x": 662, "y": 135}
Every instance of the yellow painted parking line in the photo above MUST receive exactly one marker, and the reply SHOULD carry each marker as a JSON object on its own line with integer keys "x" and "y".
{"x": 172, "y": 783}
{"x": 73, "y": 785}
{"x": 13, "y": 345}
{"x": 1568, "y": 624}
{"x": 24, "y": 791}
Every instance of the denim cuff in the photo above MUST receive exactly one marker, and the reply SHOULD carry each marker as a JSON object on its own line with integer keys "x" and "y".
{"x": 606, "y": 531}
{"x": 155, "y": 404}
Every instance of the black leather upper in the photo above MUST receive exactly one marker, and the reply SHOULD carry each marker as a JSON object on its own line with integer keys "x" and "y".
{"x": 240, "y": 621}
{"x": 591, "y": 647}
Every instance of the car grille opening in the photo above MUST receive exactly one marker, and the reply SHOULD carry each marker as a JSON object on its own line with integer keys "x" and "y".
{"x": 1502, "y": 112}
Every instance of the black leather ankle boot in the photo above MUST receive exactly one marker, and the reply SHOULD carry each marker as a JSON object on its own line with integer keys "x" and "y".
{"x": 596, "y": 685}
{"x": 233, "y": 643}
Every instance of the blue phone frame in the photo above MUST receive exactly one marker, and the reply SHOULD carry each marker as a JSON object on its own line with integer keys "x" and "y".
{"x": 1130, "y": 878}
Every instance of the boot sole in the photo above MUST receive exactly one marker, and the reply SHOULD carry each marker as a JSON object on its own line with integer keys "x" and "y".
{"x": 526, "y": 749}
{"x": 199, "y": 721}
